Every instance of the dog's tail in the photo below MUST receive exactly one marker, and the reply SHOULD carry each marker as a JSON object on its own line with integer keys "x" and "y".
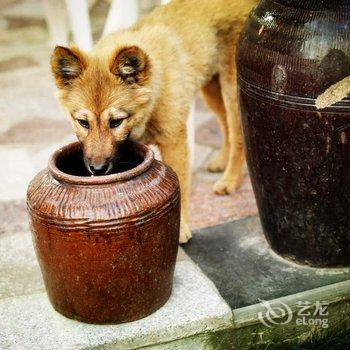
{"x": 334, "y": 93}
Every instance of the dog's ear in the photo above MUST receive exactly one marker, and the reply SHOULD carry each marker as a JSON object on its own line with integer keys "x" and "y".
{"x": 67, "y": 65}
{"x": 131, "y": 64}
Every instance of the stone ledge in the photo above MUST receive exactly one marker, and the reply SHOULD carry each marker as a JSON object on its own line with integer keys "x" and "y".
{"x": 195, "y": 307}
{"x": 19, "y": 269}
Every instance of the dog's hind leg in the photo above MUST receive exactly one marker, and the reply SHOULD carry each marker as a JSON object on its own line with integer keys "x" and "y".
{"x": 233, "y": 174}
{"x": 211, "y": 93}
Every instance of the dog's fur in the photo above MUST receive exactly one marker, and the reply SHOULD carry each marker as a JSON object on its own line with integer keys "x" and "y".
{"x": 147, "y": 76}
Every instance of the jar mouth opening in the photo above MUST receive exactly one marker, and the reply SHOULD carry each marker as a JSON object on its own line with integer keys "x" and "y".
{"x": 67, "y": 164}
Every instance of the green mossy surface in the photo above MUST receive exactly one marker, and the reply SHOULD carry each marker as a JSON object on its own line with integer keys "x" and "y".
{"x": 256, "y": 336}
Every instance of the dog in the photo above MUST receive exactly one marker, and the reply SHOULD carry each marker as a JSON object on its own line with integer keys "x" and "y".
{"x": 140, "y": 82}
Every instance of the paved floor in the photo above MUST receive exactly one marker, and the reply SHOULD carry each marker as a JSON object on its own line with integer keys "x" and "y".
{"x": 31, "y": 127}
{"x": 32, "y": 124}
{"x": 238, "y": 259}
{"x": 236, "y": 269}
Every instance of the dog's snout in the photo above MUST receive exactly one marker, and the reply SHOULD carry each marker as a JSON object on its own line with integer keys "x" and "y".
{"x": 100, "y": 169}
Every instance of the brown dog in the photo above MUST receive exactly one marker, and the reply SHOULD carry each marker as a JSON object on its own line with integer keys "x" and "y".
{"x": 140, "y": 83}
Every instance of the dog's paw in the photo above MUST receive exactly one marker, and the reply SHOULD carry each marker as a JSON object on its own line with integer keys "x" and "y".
{"x": 227, "y": 185}
{"x": 185, "y": 233}
{"x": 216, "y": 164}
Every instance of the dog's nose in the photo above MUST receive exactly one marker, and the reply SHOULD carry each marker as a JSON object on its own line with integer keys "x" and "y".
{"x": 99, "y": 169}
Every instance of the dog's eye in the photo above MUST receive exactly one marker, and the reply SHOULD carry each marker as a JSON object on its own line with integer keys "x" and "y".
{"x": 114, "y": 123}
{"x": 84, "y": 123}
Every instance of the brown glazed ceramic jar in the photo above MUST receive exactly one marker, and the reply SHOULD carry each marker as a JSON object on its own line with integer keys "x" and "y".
{"x": 298, "y": 157}
{"x": 106, "y": 245}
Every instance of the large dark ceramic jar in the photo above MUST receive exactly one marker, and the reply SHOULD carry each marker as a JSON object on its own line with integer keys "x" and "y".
{"x": 106, "y": 245}
{"x": 298, "y": 157}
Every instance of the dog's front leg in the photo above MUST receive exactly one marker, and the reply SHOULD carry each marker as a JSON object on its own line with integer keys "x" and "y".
{"x": 175, "y": 153}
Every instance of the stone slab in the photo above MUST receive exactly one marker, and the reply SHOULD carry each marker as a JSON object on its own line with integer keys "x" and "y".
{"x": 16, "y": 175}
{"x": 27, "y": 9}
{"x": 208, "y": 209}
{"x": 195, "y": 307}
{"x": 13, "y": 217}
{"x": 200, "y": 156}
{"x": 37, "y": 131}
{"x": 237, "y": 258}
{"x": 21, "y": 42}
{"x": 27, "y": 94}
{"x": 19, "y": 269}
{"x": 290, "y": 327}
{"x": 23, "y": 162}
{"x": 209, "y": 134}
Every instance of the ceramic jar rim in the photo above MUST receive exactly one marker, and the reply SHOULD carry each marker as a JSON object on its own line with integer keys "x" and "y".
{"x": 144, "y": 151}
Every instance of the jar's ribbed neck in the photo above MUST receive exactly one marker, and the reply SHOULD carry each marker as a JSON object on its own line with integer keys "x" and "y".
{"x": 142, "y": 151}
{"x": 314, "y": 5}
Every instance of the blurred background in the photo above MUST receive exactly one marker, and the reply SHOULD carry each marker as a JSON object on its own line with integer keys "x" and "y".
{"x": 32, "y": 124}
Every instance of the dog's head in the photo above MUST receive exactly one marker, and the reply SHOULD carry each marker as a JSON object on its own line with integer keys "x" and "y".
{"x": 108, "y": 98}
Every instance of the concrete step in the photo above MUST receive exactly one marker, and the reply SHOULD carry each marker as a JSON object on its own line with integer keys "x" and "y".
{"x": 216, "y": 305}
{"x": 28, "y": 321}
